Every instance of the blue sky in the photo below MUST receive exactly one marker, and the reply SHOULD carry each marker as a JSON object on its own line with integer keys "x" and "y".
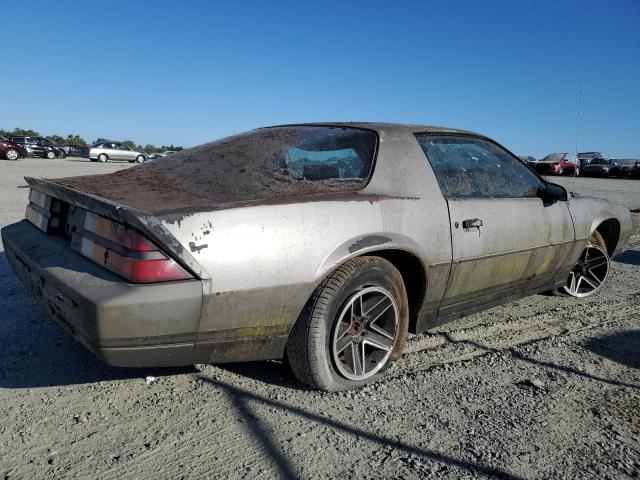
{"x": 192, "y": 71}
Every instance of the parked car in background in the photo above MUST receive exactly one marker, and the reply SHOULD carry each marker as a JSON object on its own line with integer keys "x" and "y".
{"x": 599, "y": 167}
{"x": 77, "y": 150}
{"x": 214, "y": 254}
{"x": 622, "y": 167}
{"x": 161, "y": 154}
{"x": 40, "y": 146}
{"x": 10, "y": 150}
{"x": 635, "y": 171}
{"x": 557, "y": 164}
{"x": 108, "y": 150}
{"x": 585, "y": 158}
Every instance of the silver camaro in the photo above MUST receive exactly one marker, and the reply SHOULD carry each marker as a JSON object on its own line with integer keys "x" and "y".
{"x": 322, "y": 244}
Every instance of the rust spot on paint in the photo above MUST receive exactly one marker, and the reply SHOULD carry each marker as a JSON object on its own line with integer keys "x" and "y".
{"x": 196, "y": 248}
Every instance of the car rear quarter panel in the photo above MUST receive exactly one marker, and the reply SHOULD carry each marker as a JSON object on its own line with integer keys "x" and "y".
{"x": 265, "y": 261}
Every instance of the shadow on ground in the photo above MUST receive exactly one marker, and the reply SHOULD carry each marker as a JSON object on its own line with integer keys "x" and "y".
{"x": 620, "y": 347}
{"x": 244, "y": 401}
{"x": 271, "y": 372}
{"x": 630, "y": 257}
{"x": 37, "y": 352}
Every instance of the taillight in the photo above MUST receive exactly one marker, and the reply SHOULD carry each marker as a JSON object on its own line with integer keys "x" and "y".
{"x": 44, "y": 212}
{"x": 125, "y": 251}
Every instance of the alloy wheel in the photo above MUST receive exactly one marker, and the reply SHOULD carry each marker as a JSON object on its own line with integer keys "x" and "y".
{"x": 365, "y": 333}
{"x": 12, "y": 154}
{"x": 590, "y": 272}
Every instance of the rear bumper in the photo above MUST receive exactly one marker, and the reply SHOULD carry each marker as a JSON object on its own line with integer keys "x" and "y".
{"x": 123, "y": 324}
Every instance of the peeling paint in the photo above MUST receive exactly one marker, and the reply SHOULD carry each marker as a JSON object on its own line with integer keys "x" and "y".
{"x": 368, "y": 241}
{"x": 196, "y": 248}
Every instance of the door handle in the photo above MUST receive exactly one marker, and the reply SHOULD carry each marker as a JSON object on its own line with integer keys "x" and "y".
{"x": 472, "y": 223}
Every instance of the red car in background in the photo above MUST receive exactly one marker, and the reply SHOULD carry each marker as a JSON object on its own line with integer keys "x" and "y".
{"x": 11, "y": 150}
{"x": 557, "y": 164}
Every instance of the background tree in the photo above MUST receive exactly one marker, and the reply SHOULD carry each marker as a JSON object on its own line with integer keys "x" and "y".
{"x": 57, "y": 139}
{"x": 131, "y": 144}
{"x": 75, "y": 140}
{"x": 26, "y": 133}
{"x": 81, "y": 142}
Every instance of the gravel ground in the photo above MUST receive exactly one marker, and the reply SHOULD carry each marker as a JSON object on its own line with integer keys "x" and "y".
{"x": 544, "y": 388}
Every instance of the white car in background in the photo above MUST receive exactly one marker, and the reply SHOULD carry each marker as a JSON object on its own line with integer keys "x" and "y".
{"x": 162, "y": 154}
{"x": 108, "y": 150}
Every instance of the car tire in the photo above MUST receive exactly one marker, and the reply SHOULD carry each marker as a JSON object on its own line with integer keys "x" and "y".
{"x": 140, "y": 159}
{"x": 12, "y": 154}
{"x": 102, "y": 157}
{"x": 50, "y": 155}
{"x": 62, "y": 154}
{"x": 359, "y": 287}
{"x": 596, "y": 240}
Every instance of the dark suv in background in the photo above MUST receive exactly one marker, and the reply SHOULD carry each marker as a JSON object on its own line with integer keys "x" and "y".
{"x": 39, "y": 146}
{"x": 585, "y": 158}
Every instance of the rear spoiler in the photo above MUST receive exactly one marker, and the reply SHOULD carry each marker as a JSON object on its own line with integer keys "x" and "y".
{"x": 137, "y": 219}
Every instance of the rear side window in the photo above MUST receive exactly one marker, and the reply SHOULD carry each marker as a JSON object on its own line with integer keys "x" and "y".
{"x": 468, "y": 167}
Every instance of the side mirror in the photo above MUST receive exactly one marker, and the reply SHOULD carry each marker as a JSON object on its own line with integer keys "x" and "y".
{"x": 552, "y": 192}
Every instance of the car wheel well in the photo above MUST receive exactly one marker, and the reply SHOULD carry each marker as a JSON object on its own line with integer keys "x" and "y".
{"x": 610, "y": 231}
{"x": 413, "y": 275}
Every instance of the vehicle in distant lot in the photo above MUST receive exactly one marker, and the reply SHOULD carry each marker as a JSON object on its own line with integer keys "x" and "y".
{"x": 324, "y": 244}
{"x": 557, "y": 164}
{"x": 622, "y": 167}
{"x": 76, "y": 150}
{"x": 161, "y": 154}
{"x": 40, "y": 146}
{"x": 635, "y": 171}
{"x": 10, "y": 150}
{"x": 108, "y": 150}
{"x": 585, "y": 158}
{"x": 599, "y": 167}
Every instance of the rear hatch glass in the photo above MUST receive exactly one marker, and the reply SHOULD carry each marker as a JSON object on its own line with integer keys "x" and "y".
{"x": 264, "y": 164}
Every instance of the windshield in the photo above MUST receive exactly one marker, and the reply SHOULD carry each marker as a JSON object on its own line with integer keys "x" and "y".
{"x": 554, "y": 157}
{"x": 599, "y": 161}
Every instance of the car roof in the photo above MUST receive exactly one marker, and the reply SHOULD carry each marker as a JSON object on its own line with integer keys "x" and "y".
{"x": 382, "y": 126}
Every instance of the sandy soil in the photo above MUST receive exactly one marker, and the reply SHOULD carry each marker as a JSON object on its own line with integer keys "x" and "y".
{"x": 544, "y": 388}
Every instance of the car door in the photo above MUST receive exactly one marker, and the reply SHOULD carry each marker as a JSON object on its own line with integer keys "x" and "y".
{"x": 120, "y": 151}
{"x": 35, "y": 145}
{"x": 124, "y": 152}
{"x": 111, "y": 150}
{"x": 505, "y": 239}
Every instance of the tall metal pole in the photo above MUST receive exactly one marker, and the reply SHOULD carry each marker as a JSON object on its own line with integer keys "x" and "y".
{"x": 575, "y": 169}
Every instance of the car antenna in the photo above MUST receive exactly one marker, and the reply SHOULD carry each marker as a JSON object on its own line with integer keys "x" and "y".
{"x": 575, "y": 168}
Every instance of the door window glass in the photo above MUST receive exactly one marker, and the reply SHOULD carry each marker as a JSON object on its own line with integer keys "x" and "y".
{"x": 472, "y": 167}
